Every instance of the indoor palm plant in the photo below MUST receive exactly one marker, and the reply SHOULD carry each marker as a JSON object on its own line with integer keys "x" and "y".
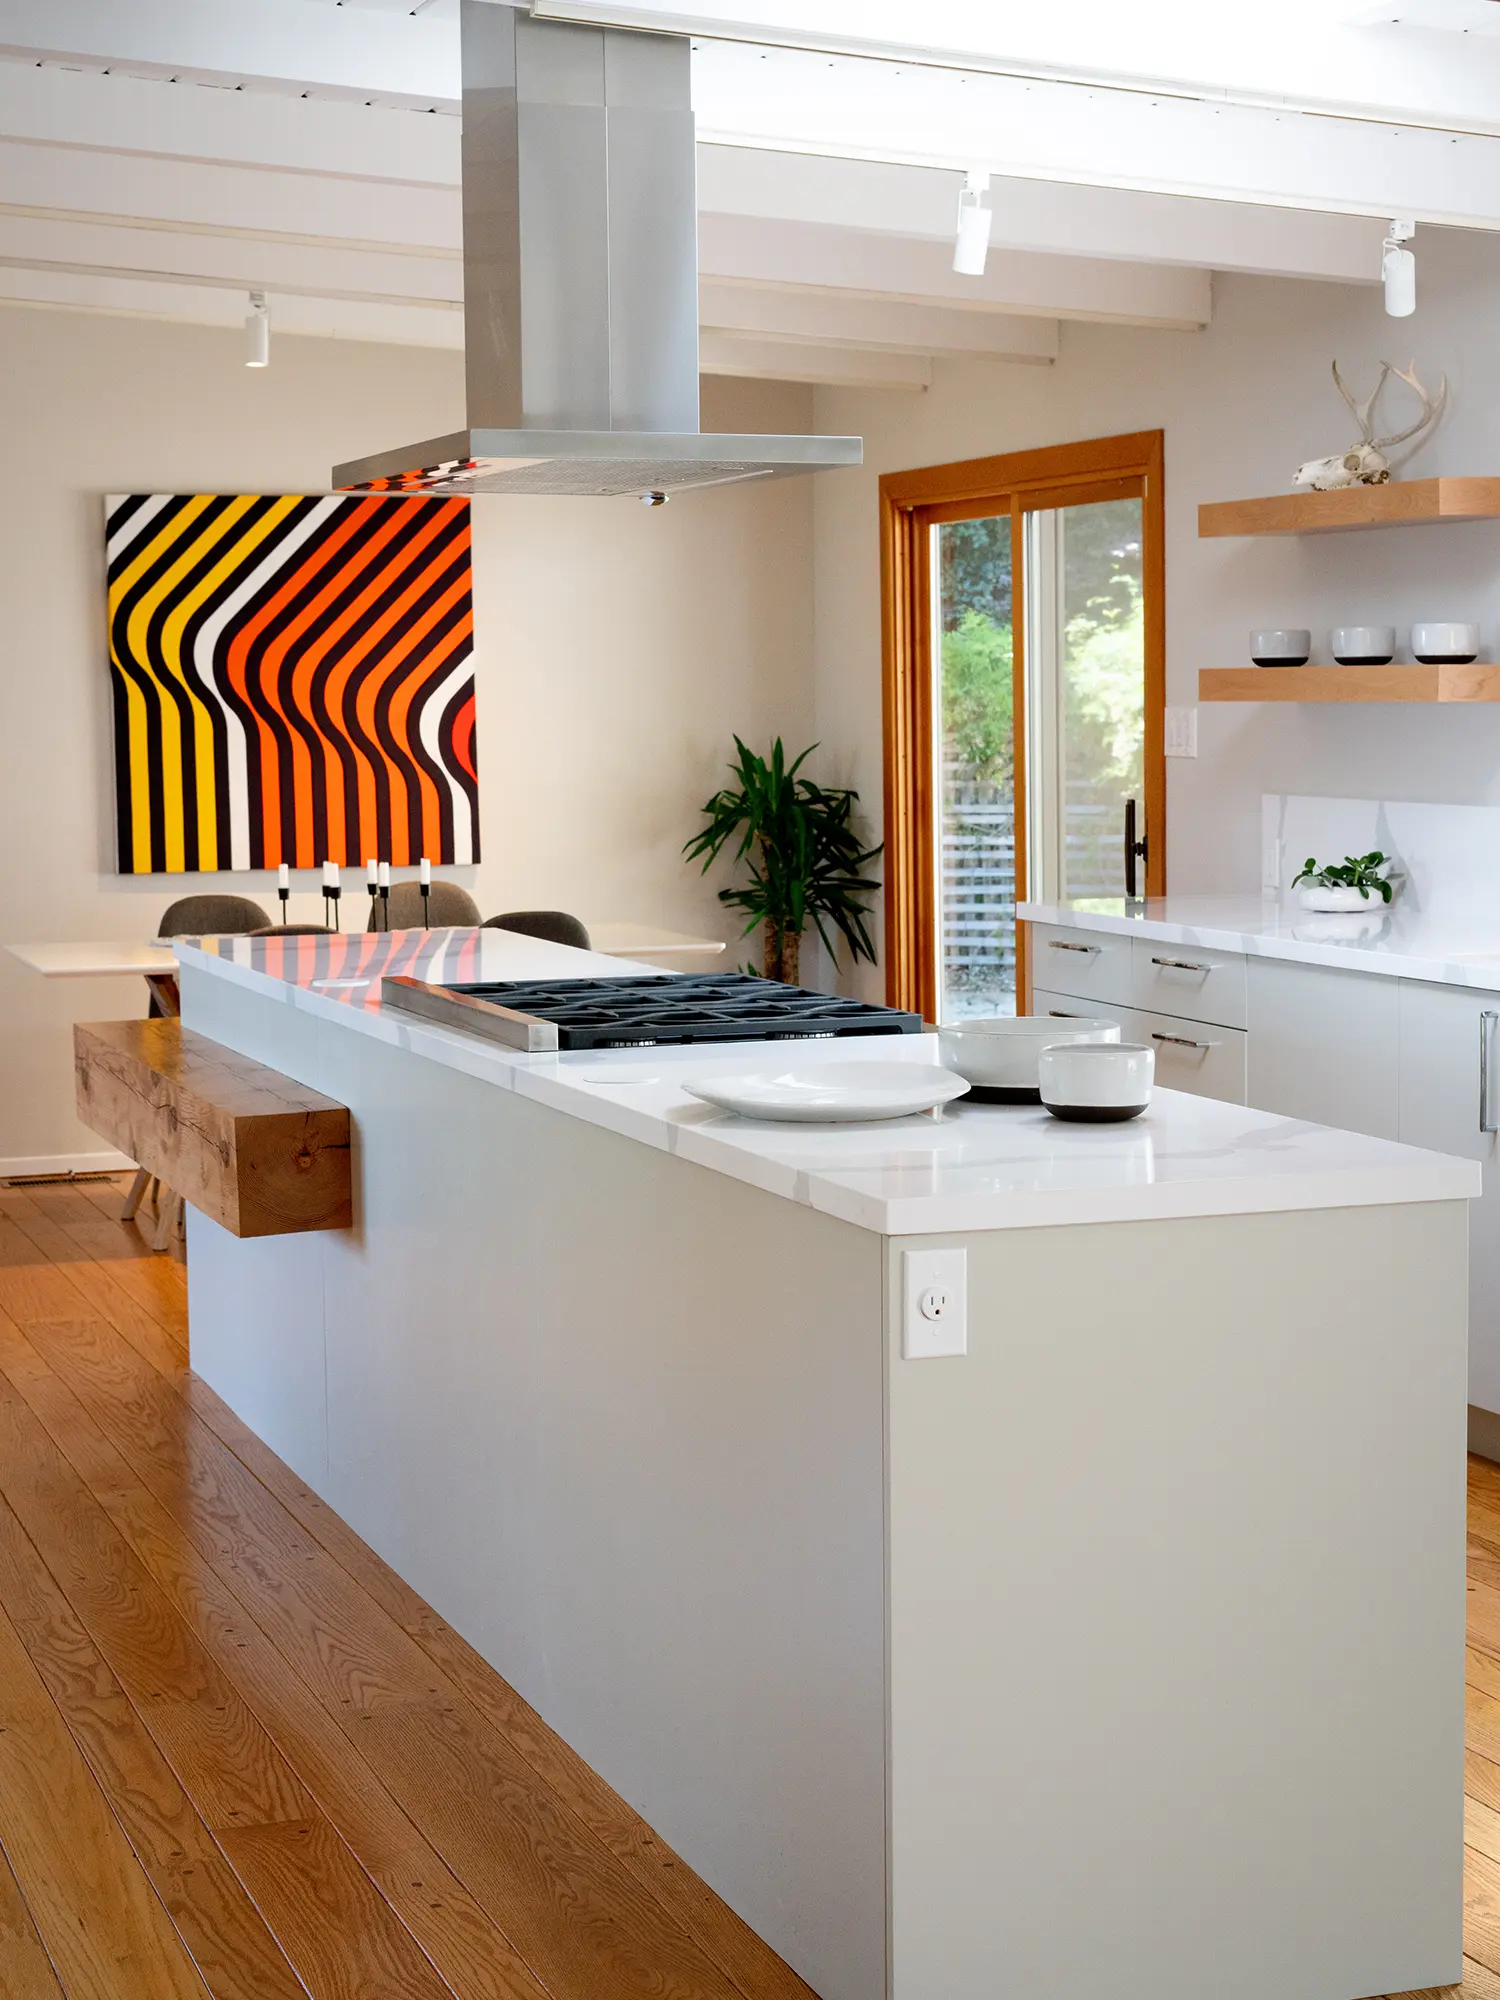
{"x": 802, "y": 854}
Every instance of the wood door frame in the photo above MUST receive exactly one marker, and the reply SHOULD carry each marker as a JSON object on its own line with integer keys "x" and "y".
{"x": 910, "y": 503}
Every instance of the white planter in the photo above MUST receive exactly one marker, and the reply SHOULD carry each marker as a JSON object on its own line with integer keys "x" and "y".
{"x": 1341, "y": 901}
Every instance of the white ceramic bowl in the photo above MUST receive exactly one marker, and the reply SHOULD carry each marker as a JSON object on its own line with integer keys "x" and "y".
{"x": 999, "y": 1055}
{"x": 1285, "y": 647}
{"x": 1097, "y": 1081}
{"x": 1445, "y": 645}
{"x": 1363, "y": 645}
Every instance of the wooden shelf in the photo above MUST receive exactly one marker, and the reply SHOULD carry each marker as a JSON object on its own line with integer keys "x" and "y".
{"x": 1471, "y": 683}
{"x": 1402, "y": 503}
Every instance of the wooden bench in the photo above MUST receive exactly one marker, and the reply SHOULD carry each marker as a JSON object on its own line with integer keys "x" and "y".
{"x": 262, "y": 1155}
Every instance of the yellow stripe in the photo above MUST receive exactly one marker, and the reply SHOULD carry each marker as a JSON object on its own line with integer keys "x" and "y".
{"x": 236, "y": 556}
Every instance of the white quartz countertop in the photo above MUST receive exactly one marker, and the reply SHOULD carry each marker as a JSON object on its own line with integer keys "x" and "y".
{"x": 1399, "y": 943}
{"x": 969, "y": 1167}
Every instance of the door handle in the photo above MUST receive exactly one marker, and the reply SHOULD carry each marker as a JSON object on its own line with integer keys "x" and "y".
{"x": 1489, "y": 1105}
{"x": 1056, "y": 944}
{"x": 1134, "y": 848}
{"x": 1181, "y": 965}
{"x": 1182, "y": 1042}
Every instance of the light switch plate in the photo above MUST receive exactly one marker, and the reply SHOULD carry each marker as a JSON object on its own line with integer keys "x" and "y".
{"x": 935, "y": 1303}
{"x": 1181, "y": 732}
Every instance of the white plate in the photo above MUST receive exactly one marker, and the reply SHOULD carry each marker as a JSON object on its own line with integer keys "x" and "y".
{"x": 833, "y": 1093}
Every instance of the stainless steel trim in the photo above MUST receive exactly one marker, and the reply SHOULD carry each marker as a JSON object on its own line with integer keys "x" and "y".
{"x": 1181, "y": 1041}
{"x": 1183, "y": 965}
{"x": 1056, "y": 944}
{"x": 476, "y": 1017}
{"x": 1489, "y": 1109}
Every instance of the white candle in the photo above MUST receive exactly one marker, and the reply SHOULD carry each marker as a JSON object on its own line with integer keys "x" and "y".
{"x": 283, "y": 877}
{"x": 370, "y": 871}
{"x": 426, "y": 876}
{"x": 385, "y": 874}
{"x": 330, "y": 876}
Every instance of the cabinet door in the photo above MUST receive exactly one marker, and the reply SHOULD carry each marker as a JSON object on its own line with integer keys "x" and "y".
{"x": 1091, "y": 965}
{"x": 1323, "y": 1045}
{"x": 1439, "y": 1108}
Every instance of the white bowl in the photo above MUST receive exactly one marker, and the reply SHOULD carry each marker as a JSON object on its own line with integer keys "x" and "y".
{"x": 1445, "y": 645}
{"x": 1287, "y": 646}
{"x": 1097, "y": 1081}
{"x": 999, "y": 1055}
{"x": 1363, "y": 645}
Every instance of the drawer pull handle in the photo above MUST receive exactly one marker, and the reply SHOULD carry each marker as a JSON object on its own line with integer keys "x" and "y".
{"x": 1056, "y": 944}
{"x": 1181, "y": 1041}
{"x": 1183, "y": 965}
{"x": 1062, "y": 1014}
{"x": 1489, "y": 1115}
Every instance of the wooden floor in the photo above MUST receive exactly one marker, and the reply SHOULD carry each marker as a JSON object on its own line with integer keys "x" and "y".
{"x": 239, "y": 1757}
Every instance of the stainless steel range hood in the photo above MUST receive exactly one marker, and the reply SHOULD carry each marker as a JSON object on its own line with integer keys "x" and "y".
{"x": 580, "y": 277}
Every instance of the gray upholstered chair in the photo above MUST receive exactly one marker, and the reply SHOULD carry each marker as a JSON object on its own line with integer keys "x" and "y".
{"x": 291, "y": 930}
{"x": 211, "y": 916}
{"x": 556, "y": 926}
{"x": 448, "y": 907}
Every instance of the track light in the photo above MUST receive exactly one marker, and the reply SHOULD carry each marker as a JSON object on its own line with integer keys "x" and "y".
{"x": 258, "y": 332}
{"x": 1398, "y": 267}
{"x": 974, "y": 219}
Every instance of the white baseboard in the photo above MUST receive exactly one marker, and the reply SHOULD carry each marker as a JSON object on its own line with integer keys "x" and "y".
{"x": 65, "y": 1163}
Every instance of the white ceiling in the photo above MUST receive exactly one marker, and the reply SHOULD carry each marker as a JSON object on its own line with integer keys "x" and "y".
{"x": 166, "y": 156}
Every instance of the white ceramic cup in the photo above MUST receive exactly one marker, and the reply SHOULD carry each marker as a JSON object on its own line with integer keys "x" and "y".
{"x": 999, "y": 1055}
{"x": 1363, "y": 645}
{"x": 1287, "y": 646}
{"x": 1445, "y": 645}
{"x": 1097, "y": 1081}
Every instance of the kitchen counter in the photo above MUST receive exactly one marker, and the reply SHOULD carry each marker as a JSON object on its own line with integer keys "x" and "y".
{"x": 1400, "y": 943}
{"x": 1040, "y": 1666}
{"x": 974, "y": 1166}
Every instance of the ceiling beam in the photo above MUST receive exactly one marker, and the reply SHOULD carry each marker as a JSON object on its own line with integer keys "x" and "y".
{"x": 892, "y": 324}
{"x": 811, "y": 361}
{"x": 754, "y": 251}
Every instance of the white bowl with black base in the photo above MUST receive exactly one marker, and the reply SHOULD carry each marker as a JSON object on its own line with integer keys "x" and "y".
{"x": 999, "y": 1054}
{"x": 1097, "y": 1083}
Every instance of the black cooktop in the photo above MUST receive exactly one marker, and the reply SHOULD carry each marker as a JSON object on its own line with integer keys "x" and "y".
{"x": 640, "y": 1012}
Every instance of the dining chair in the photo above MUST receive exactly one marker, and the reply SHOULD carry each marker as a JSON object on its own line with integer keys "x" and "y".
{"x": 556, "y": 926}
{"x": 448, "y": 906}
{"x": 292, "y": 930}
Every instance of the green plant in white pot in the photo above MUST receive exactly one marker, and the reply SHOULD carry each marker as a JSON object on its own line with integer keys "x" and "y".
{"x": 1359, "y": 882}
{"x": 801, "y": 852}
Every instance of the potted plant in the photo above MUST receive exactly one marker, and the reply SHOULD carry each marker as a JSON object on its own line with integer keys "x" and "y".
{"x": 1351, "y": 884}
{"x": 803, "y": 857}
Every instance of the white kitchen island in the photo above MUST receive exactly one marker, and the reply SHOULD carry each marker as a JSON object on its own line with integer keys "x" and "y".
{"x": 1122, "y": 1653}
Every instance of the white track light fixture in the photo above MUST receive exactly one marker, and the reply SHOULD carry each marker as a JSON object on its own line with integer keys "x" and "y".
{"x": 1398, "y": 267}
{"x": 974, "y": 219}
{"x": 258, "y": 332}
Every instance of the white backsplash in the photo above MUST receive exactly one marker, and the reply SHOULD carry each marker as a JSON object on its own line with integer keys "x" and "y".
{"x": 1449, "y": 855}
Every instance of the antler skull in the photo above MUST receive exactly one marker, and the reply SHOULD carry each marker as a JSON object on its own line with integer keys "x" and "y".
{"x": 1365, "y": 462}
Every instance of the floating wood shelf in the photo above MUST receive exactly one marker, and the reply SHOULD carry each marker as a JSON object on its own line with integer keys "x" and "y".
{"x": 262, "y": 1155}
{"x": 1471, "y": 683}
{"x": 1402, "y": 503}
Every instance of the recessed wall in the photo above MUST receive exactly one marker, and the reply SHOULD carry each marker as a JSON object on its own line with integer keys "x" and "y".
{"x": 618, "y": 647}
{"x": 1242, "y": 403}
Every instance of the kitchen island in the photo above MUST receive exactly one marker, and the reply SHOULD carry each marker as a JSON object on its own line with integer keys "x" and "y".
{"x": 1122, "y": 1651}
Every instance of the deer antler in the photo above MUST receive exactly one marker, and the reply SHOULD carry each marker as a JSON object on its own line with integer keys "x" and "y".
{"x": 1363, "y": 411}
{"x": 1431, "y": 409}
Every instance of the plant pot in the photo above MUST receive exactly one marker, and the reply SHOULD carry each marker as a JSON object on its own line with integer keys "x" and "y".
{"x": 1341, "y": 901}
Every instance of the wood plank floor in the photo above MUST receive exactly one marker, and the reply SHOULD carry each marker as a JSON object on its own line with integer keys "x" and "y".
{"x": 240, "y": 1758}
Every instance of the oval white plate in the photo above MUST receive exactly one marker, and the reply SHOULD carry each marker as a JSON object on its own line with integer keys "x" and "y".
{"x": 833, "y": 1093}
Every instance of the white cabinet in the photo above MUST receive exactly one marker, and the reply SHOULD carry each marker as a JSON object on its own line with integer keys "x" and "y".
{"x": 1186, "y": 980}
{"x": 1068, "y": 1007}
{"x": 1092, "y": 965}
{"x": 1323, "y": 1045}
{"x": 1196, "y": 1056}
{"x": 1440, "y": 1083}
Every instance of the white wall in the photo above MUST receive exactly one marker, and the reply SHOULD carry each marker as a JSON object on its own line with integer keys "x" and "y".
{"x": 1242, "y": 404}
{"x": 617, "y": 646}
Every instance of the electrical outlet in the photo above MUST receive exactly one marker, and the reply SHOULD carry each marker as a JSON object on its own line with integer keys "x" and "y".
{"x": 934, "y": 1286}
{"x": 1181, "y": 732}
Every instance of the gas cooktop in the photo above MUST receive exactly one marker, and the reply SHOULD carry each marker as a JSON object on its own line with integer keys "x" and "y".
{"x": 640, "y": 1012}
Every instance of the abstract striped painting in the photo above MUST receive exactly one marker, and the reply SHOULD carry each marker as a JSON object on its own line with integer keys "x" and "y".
{"x": 292, "y": 681}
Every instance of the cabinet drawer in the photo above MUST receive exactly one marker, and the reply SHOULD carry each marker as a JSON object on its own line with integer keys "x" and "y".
{"x": 1067, "y": 1007}
{"x": 1090, "y": 965}
{"x": 1207, "y": 1060}
{"x": 1183, "y": 980}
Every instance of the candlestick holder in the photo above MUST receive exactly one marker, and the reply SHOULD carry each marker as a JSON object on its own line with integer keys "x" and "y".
{"x": 331, "y": 908}
{"x": 426, "y": 896}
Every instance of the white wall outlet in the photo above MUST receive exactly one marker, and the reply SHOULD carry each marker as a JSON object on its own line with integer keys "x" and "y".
{"x": 935, "y": 1299}
{"x": 1181, "y": 732}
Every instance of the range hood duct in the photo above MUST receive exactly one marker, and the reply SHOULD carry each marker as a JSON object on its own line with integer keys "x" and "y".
{"x": 580, "y": 277}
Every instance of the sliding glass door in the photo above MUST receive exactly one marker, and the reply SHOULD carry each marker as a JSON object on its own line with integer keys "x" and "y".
{"x": 1023, "y": 707}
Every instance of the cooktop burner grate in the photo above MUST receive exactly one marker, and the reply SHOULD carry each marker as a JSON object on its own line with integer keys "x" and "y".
{"x": 642, "y": 1012}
